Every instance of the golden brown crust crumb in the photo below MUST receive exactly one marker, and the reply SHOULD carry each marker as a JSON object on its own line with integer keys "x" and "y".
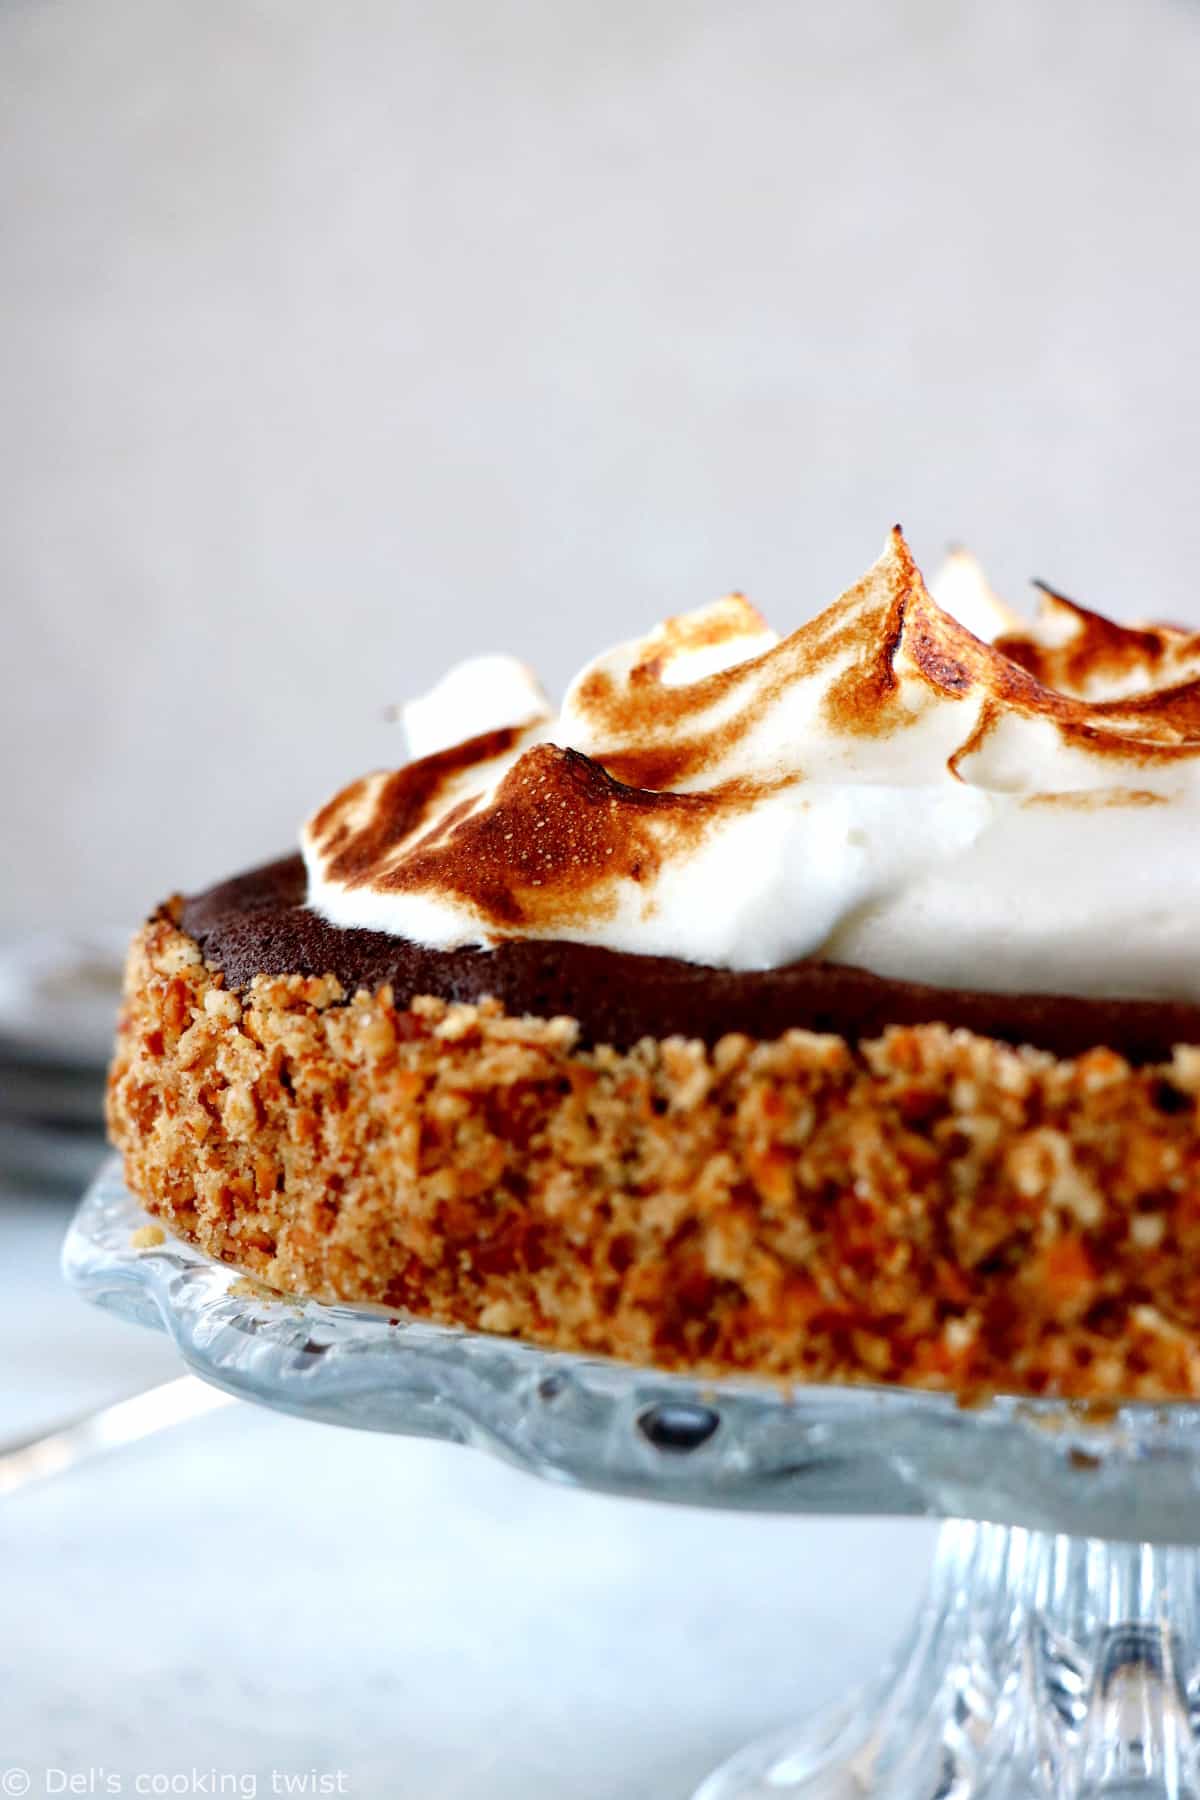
{"x": 933, "y": 1208}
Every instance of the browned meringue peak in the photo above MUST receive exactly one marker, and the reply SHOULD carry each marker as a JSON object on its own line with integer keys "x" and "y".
{"x": 873, "y": 660}
{"x": 962, "y": 589}
{"x": 1081, "y": 652}
{"x": 654, "y": 715}
{"x": 640, "y": 759}
{"x": 1068, "y": 647}
{"x": 1150, "y": 722}
{"x": 690, "y": 645}
{"x": 717, "y": 794}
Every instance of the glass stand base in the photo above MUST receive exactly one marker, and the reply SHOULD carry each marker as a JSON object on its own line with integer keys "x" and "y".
{"x": 1040, "y": 1666}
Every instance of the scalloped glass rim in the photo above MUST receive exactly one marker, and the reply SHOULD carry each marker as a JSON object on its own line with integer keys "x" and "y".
{"x": 618, "y": 1428}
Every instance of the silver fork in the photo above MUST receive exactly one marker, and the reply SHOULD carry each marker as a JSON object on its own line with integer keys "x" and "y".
{"x": 43, "y": 1454}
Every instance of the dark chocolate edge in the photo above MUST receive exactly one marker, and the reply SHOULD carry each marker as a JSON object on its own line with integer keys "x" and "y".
{"x": 257, "y": 924}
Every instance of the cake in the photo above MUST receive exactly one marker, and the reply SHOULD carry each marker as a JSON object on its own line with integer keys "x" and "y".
{"x": 823, "y": 1008}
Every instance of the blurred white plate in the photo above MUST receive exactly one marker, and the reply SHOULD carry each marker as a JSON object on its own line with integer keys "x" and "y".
{"x": 41, "y": 1157}
{"x": 47, "y": 1093}
{"x": 59, "y": 996}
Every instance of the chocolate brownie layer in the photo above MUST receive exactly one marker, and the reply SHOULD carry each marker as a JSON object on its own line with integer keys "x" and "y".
{"x": 258, "y": 924}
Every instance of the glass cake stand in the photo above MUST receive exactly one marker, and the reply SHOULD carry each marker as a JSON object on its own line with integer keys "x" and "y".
{"x": 1057, "y": 1650}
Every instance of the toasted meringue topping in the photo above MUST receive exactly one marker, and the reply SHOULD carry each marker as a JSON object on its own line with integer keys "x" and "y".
{"x": 881, "y": 787}
{"x": 961, "y": 588}
{"x": 481, "y": 694}
{"x": 1081, "y": 652}
{"x": 1068, "y": 647}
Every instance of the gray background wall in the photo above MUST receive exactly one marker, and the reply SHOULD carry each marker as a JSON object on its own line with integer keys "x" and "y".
{"x": 338, "y": 339}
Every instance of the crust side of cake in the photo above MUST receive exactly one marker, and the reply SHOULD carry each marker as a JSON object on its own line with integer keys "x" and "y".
{"x": 931, "y": 1207}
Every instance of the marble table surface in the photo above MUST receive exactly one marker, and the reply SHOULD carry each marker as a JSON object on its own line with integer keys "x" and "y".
{"x": 251, "y": 1604}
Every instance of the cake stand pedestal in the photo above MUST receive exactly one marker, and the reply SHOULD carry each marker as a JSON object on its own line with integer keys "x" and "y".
{"x": 1057, "y": 1650}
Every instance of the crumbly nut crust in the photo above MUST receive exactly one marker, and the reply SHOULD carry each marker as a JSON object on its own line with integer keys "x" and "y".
{"x": 932, "y": 1207}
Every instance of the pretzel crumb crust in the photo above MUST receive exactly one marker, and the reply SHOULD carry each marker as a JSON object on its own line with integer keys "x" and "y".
{"x": 932, "y": 1207}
